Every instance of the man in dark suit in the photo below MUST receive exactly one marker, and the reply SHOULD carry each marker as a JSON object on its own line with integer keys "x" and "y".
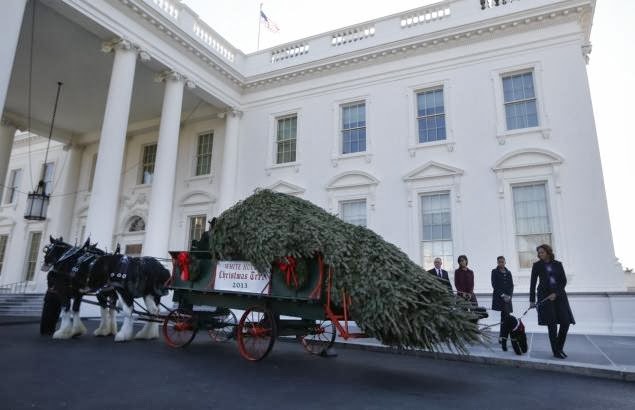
{"x": 441, "y": 274}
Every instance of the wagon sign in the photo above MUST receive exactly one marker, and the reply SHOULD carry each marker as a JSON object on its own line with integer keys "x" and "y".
{"x": 240, "y": 276}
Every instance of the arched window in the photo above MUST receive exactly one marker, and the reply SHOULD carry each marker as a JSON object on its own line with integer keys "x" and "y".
{"x": 137, "y": 224}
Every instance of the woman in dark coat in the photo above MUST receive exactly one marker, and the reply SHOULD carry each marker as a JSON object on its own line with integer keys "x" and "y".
{"x": 555, "y": 309}
{"x": 503, "y": 286}
{"x": 464, "y": 281}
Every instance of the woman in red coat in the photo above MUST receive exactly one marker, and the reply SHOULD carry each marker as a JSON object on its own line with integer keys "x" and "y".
{"x": 464, "y": 281}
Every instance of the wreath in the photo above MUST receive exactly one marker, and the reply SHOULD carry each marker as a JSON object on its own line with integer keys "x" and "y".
{"x": 295, "y": 273}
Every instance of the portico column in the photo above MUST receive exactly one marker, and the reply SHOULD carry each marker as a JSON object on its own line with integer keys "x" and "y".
{"x": 62, "y": 205}
{"x": 230, "y": 161}
{"x": 11, "y": 23}
{"x": 7, "y": 133}
{"x": 104, "y": 199}
{"x": 162, "y": 196}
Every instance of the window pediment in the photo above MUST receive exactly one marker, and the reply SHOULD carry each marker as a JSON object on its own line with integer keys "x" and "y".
{"x": 432, "y": 169}
{"x": 352, "y": 179}
{"x": 196, "y": 198}
{"x": 527, "y": 158}
{"x": 286, "y": 188}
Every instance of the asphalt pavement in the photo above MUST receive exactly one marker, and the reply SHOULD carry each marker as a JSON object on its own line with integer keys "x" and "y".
{"x": 96, "y": 373}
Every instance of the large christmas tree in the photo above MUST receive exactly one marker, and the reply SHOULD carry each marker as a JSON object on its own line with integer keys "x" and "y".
{"x": 393, "y": 299}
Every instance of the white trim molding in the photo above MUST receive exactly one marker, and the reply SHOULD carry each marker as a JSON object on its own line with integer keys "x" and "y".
{"x": 272, "y": 138}
{"x": 353, "y": 185}
{"x": 286, "y": 188}
{"x": 336, "y": 152}
{"x": 413, "y": 136}
{"x": 543, "y": 129}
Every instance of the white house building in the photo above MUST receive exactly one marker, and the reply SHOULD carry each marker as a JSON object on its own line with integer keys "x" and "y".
{"x": 462, "y": 127}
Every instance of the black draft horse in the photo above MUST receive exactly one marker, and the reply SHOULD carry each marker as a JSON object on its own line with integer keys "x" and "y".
{"x": 131, "y": 278}
{"x": 52, "y": 302}
{"x": 64, "y": 262}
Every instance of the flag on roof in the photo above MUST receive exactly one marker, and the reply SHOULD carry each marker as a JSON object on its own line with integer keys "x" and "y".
{"x": 271, "y": 26}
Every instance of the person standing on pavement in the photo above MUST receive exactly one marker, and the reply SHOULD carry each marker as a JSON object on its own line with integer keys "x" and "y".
{"x": 464, "y": 281}
{"x": 553, "y": 309}
{"x": 441, "y": 274}
{"x": 503, "y": 286}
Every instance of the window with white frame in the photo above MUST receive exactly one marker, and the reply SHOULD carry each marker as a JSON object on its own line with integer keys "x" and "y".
{"x": 436, "y": 238}
{"x": 520, "y": 100}
{"x": 31, "y": 258}
{"x": 286, "y": 138}
{"x": 197, "y": 227}
{"x": 49, "y": 172}
{"x": 354, "y": 212}
{"x": 204, "y": 154}
{"x": 91, "y": 177}
{"x": 431, "y": 115}
{"x": 353, "y": 127}
{"x": 3, "y": 247}
{"x": 147, "y": 164}
{"x": 14, "y": 185}
{"x": 533, "y": 226}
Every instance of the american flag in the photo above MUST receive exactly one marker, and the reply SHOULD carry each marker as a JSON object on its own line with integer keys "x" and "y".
{"x": 271, "y": 26}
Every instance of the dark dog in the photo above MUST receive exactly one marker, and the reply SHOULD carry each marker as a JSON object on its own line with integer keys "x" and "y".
{"x": 516, "y": 330}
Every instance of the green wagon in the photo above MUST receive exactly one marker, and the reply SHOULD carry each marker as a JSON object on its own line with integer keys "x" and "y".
{"x": 293, "y": 299}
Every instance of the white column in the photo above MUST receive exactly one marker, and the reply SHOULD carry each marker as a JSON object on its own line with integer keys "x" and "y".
{"x": 63, "y": 200}
{"x": 11, "y": 23}
{"x": 229, "y": 169}
{"x": 7, "y": 133}
{"x": 104, "y": 199}
{"x": 161, "y": 198}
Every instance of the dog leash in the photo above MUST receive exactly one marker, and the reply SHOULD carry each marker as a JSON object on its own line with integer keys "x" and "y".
{"x": 519, "y": 317}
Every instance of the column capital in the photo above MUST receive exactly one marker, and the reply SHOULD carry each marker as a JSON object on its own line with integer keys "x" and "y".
{"x": 7, "y": 122}
{"x": 168, "y": 75}
{"x": 116, "y": 44}
{"x": 232, "y": 112}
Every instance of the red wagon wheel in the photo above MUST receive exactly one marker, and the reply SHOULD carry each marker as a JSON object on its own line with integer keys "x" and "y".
{"x": 179, "y": 328}
{"x": 320, "y": 338}
{"x": 226, "y": 327}
{"x": 256, "y": 333}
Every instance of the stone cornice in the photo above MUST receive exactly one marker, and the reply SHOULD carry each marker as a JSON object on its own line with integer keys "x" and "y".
{"x": 505, "y": 24}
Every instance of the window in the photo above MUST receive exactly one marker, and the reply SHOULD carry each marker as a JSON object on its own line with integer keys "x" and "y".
{"x": 133, "y": 249}
{"x": 520, "y": 101}
{"x": 532, "y": 221}
{"x": 147, "y": 167}
{"x": 137, "y": 224}
{"x": 197, "y": 227}
{"x": 431, "y": 115}
{"x": 437, "y": 229}
{"x": 31, "y": 258}
{"x": 92, "y": 173}
{"x": 14, "y": 186}
{"x": 354, "y": 128}
{"x": 354, "y": 212}
{"x": 3, "y": 247}
{"x": 49, "y": 171}
{"x": 204, "y": 154}
{"x": 286, "y": 133}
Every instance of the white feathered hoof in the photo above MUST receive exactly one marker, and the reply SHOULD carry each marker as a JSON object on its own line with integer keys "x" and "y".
{"x": 79, "y": 329}
{"x": 121, "y": 336}
{"x": 148, "y": 332}
{"x": 63, "y": 333}
{"x": 102, "y": 331}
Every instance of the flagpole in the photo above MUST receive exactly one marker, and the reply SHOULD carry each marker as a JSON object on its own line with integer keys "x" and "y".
{"x": 259, "y": 24}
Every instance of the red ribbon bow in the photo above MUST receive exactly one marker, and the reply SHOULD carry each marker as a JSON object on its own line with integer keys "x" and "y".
{"x": 183, "y": 262}
{"x": 288, "y": 269}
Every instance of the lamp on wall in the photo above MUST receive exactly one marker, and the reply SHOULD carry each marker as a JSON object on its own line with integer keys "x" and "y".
{"x": 37, "y": 202}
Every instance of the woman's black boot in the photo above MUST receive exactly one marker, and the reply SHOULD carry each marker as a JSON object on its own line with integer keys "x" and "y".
{"x": 503, "y": 342}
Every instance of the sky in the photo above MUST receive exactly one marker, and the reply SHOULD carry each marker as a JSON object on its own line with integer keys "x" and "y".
{"x": 610, "y": 71}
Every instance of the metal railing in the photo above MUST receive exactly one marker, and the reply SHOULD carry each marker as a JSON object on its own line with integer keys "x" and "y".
{"x": 14, "y": 288}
